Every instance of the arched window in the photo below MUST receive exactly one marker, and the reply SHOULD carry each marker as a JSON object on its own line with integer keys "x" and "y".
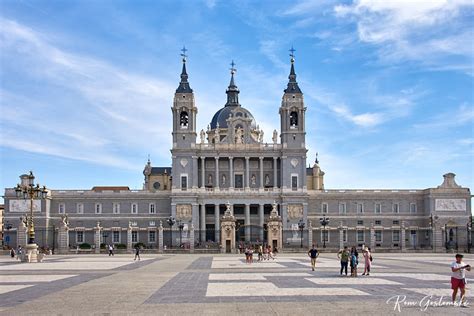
{"x": 293, "y": 119}
{"x": 183, "y": 119}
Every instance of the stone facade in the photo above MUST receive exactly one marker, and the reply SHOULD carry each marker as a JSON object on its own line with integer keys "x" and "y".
{"x": 229, "y": 165}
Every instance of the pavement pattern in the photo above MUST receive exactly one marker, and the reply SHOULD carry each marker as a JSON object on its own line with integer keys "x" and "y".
{"x": 399, "y": 284}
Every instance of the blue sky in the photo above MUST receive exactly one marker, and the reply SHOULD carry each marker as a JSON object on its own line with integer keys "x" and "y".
{"x": 86, "y": 86}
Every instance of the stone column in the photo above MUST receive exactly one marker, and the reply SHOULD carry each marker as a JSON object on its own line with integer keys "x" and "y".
{"x": 372, "y": 237}
{"x": 231, "y": 173}
{"x": 341, "y": 236}
{"x": 310, "y": 234}
{"x": 247, "y": 222}
{"x": 247, "y": 172}
{"x": 97, "y": 239}
{"x": 195, "y": 215}
{"x": 195, "y": 172}
{"x": 402, "y": 233}
{"x": 217, "y": 172}
{"x": 217, "y": 222}
{"x": 262, "y": 180}
{"x": 129, "y": 238}
{"x": 191, "y": 239}
{"x": 21, "y": 235}
{"x": 261, "y": 220}
{"x": 63, "y": 239}
{"x": 202, "y": 224}
{"x": 160, "y": 237}
{"x": 275, "y": 175}
{"x": 203, "y": 172}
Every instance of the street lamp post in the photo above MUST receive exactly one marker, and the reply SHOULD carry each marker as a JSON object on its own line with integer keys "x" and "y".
{"x": 301, "y": 225}
{"x": 171, "y": 221}
{"x": 324, "y": 221}
{"x": 180, "y": 226}
{"x": 30, "y": 191}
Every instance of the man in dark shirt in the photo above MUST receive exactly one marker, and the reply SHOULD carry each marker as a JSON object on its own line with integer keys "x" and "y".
{"x": 313, "y": 254}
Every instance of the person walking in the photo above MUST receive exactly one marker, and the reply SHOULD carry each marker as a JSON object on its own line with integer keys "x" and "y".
{"x": 458, "y": 278}
{"x": 12, "y": 253}
{"x": 137, "y": 253}
{"x": 111, "y": 250}
{"x": 313, "y": 254}
{"x": 367, "y": 261}
{"x": 344, "y": 256}
{"x": 260, "y": 253}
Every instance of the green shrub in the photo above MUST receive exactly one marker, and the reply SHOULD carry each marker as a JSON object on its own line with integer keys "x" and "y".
{"x": 102, "y": 246}
{"x": 121, "y": 246}
{"x": 85, "y": 246}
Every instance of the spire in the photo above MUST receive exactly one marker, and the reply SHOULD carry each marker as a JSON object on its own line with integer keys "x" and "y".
{"x": 232, "y": 91}
{"x": 292, "y": 84}
{"x": 184, "y": 84}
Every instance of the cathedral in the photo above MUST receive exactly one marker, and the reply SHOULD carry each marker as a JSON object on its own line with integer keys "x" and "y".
{"x": 228, "y": 173}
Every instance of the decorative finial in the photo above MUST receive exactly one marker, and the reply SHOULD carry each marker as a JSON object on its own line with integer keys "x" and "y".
{"x": 232, "y": 69}
{"x": 149, "y": 159}
{"x": 292, "y": 54}
{"x": 316, "y": 160}
{"x": 184, "y": 50}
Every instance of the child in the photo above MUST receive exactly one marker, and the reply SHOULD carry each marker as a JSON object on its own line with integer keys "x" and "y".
{"x": 354, "y": 263}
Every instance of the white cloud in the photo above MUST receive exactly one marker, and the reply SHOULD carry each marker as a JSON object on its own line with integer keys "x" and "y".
{"x": 419, "y": 30}
{"x": 464, "y": 114}
{"x": 112, "y": 107}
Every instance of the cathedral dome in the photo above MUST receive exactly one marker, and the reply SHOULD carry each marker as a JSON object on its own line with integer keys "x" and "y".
{"x": 234, "y": 111}
{"x": 232, "y": 108}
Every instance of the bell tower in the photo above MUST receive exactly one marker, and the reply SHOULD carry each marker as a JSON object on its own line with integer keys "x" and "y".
{"x": 184, "y": 111}
{"x": 293, "y": 133}
{"x": 292, "y": 112}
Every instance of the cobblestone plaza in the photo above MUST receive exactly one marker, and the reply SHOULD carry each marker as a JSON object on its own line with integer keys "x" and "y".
{"x": 224, "y": 284}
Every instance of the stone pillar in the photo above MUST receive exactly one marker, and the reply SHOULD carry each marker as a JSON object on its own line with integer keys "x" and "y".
{"x": 402, "y": 233}
{"x": 195, "y": 214}
{"x": 160, "y": 237}
{"x": 247, "y": 172}
{"x": 191, "y": 238}
{"x": 372, "y": 237}
{"x": 217, "y": 172}
{"x": 217, "y": 222}
{"x": 97, "y": 231}
{"x": 231, "y": 174}
{"x": 310, "y": 234}
{"x": 341, "y": 236}
{"x": 203, "y": 172}
{"x": 228, "y": 231}
{"x": 21, "y": 234}
{"x": 262, "y": 180}
{"x": 63, "y": 239}
{"x": 195, "y": 172}
{"x": 275, "y": 232}
{"x": 202, "y": 223}
{"x": 247, "y": 222}
{"x": 261, "y": 220}
{"x": 275, "y": 174}
{"x": 129, "y": 237}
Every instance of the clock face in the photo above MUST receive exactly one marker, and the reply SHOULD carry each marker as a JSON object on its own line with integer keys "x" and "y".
{"x": 156, "y": 185}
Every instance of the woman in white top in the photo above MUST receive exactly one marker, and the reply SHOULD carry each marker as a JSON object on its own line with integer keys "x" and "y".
{"x": 458, "y": 278}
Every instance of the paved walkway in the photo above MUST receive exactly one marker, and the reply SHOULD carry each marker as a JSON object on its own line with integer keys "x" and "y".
{"x": 226, "y": 285}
